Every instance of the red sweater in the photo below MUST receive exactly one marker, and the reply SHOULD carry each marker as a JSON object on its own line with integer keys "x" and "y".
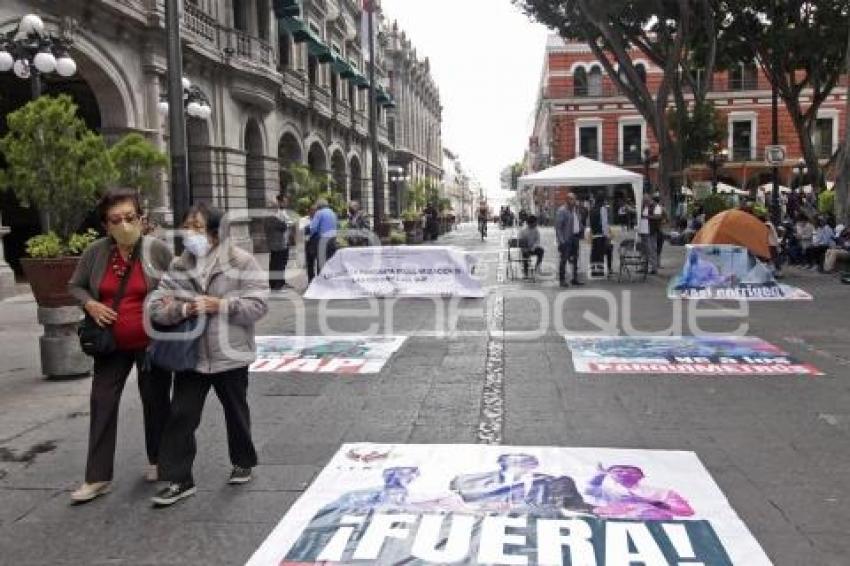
{"x": 129, "y": 329}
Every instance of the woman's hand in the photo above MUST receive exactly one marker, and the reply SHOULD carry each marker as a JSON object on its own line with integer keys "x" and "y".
{"x": 205, "y": 305}
{"x": 102, "y": 314}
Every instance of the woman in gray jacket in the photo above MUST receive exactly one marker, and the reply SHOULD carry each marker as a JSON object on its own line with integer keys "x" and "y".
{"x": 224, "y": 287}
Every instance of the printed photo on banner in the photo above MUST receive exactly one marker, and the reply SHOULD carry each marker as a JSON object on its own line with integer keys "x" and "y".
{"x": 730, "y": 355}
{"x": 500, "y": 505}
{"x": 729, "y": 272}
{"x": 414, "y": 271}
{"x": 324, "y": 354}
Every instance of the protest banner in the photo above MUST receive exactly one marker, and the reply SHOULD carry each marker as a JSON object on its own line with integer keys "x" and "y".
{"x": 402, "y": 271}
{"x": 324, "y": 354}
{"x": 500, "y": 505}
{"x": 728, "y": 272}
{"x": 697, "y": 355}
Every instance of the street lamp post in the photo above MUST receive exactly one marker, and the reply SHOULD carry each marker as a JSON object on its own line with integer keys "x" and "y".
{"x": 29, "y": 51}
{"x": 371, "y": 6}
{"x": 716, "y": 158}
{"x": 195, "y": 105}
{"x": 176, "y": 118}
{"x": 800, "y": 172}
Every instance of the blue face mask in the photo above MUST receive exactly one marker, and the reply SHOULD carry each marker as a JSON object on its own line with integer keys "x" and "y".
{"x": 197, "y": 244}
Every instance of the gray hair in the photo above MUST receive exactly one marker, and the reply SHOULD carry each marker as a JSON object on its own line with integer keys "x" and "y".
{"x": 321, "y": 202}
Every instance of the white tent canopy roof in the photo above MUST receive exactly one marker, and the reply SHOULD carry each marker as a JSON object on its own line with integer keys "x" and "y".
{"x": 584, "y": 172}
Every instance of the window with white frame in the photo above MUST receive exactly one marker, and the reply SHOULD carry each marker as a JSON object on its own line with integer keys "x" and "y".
{"x": 743, "y": 140}
{"x": 824, "y": 134}
{"x": 589, "y": 138}
{"x": 631, "y": 143}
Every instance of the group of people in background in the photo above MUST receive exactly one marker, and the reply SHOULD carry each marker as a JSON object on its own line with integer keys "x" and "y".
{"x": 131, "y": 285}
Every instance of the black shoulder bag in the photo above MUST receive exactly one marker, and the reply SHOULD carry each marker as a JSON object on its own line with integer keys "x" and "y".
{"x": 175, "y": 348}
{"x": 97, "y": 340}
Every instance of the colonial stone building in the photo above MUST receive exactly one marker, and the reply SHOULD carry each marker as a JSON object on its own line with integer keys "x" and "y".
{"x": 287, "y": 81}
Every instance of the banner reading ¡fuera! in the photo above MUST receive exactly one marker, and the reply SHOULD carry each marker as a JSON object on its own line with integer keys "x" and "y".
{"x": 500, "y": 505}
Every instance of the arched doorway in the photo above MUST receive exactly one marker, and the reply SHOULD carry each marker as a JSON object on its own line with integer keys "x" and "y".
{"x": 339, "y": 173}
{"x": 288, "y": 154}
{"x": 200, "y": 161}
{"x": 356, "y": 191}
{"x": 254, "y": 174}
{"x": 317, "y": 160}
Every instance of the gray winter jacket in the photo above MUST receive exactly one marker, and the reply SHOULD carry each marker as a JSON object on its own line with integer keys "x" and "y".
{"x": 227, "y": 341}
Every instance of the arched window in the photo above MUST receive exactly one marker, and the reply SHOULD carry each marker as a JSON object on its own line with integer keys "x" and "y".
{"x": 580, "y": 82}
{"x": 594, "y": 81}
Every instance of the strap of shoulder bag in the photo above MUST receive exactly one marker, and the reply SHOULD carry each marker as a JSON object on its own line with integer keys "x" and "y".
{"x": 122, "y": 286}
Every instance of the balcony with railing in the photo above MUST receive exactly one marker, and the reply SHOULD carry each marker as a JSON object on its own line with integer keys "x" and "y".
{"x": 360, "y": 122}
{"x": 295, "y": 84}
{"x": 199, "y": 23}
{"x": 320, "y": 100}
{"x": 342, "y": 113}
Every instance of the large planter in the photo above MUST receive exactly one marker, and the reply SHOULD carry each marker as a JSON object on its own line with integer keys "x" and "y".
{"x": 61, "y": 356}
{"x": 49, "y": 278}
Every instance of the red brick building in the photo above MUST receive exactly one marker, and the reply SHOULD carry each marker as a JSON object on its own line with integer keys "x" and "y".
{"x": 580, "y": 111}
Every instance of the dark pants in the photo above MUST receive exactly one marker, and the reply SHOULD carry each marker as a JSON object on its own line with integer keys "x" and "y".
{"x": 659, "y": 245}
{"x": 815, "y": 256}
{"x": 569, "y": 253}
{"x": 602, "y": 249}
{"x": 190, "y": 392}
{"x": 110, "y": 375}
{"x": 277, "y": 267}
{"x": 526, "y": 254}
{"x": 318, "y": 251}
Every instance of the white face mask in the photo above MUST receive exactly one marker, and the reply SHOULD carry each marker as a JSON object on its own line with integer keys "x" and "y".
{"x": 197, "y": 244}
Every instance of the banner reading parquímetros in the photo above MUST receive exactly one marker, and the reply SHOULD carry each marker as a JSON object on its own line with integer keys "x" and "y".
{"x": 402, "y": 271}
{"x": 500, "y": 505}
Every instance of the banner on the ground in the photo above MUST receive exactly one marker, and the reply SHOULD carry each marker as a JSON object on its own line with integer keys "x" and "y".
{"x": 500, "y": 505}
{"x": 400, "y": 271}
{"x": 697, "y": 355}
{"x": 324, "y": 354}
{"x": 729, "y": 272}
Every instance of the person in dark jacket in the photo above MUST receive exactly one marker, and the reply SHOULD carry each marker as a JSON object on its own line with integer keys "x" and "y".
{"x": 95, "y": 283}
{"x": 277, "y": 228}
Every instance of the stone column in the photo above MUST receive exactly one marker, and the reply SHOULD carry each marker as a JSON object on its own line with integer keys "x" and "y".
{"x": 7, "y": 276}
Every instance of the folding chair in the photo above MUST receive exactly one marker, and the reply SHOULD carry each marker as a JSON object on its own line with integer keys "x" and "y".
{"x": 633, "y": 259}
{"x": 597, "y": 267}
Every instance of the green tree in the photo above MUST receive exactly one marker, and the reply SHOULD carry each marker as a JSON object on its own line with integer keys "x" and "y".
{"x": 679, "y": 36}
{"x": 139, "y": 163}
{"x": 801, "y": 47}
{"x": 55, "y": 162}
{"x": 697, "y": 130}
{"x": 310, "y": 187}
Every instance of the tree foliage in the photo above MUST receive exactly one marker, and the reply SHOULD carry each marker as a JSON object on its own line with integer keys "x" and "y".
{"x": 310, "y": 187}
{"x": 799, "y": 44}
{"x": 679, "y": 36}
{"x": 55, "y": 162}
{"x": 139, "y": 163}
{"x": 697, "y": 130}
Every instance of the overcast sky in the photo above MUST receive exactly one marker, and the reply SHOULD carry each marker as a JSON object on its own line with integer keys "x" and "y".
{"x": 486, "y": 58}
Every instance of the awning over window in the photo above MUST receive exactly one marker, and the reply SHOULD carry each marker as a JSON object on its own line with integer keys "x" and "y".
{"x": 286, "y": 8}
{"x": 342, "y": 67}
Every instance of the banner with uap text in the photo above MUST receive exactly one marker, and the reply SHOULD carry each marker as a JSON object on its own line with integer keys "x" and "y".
{"x": 502, "y": 505}
{"x": 400, "y": 271}
{"x": 324, "y": 354}
{"x": 729, "y": 272}
{"x": 695, "y": 355}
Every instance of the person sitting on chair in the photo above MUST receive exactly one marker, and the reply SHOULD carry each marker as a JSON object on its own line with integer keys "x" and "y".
{"x": 529, "y": 243}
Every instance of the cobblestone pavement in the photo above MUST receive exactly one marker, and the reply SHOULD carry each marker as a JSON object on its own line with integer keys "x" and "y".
{"x": 777, "y": 446}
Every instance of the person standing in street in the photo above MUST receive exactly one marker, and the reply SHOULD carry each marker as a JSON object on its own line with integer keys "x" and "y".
{"x": 359, "y": 224}
{"x": 647, "y": 237}
{"x": 111, "y": 281}
{"x": 321, "y": 241}
{"x": 600, "y": 230}
{"x": 568, "y": 231}
{"x": 277, "y": 228}
{"x": 219, "y": 284}
{"x": 657, "y": 219}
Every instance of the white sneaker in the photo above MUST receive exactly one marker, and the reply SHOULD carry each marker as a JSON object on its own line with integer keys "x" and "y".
{"x": 151, "y": 473}
{"x": 89, "y": 491}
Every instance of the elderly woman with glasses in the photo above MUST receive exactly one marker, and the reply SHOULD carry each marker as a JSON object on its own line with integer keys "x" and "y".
{"x": 112, "y": 280}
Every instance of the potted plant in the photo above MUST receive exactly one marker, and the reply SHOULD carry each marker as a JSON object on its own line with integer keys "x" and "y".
{"x": 55, "y": 163}
{"x": 412, "y": 223}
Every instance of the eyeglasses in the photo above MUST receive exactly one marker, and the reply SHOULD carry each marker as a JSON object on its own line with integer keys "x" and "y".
{"x": 131, "y": 218}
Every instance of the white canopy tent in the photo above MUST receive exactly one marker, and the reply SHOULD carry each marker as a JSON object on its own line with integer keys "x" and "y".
{"x": 724, "y": 189}
{"x": 584, "y": 172}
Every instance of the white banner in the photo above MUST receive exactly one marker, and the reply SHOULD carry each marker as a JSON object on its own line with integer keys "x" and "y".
{"x": 500, "y": 505}
{"x": 403, "y": 271}
{"x": 324, "y": 354}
